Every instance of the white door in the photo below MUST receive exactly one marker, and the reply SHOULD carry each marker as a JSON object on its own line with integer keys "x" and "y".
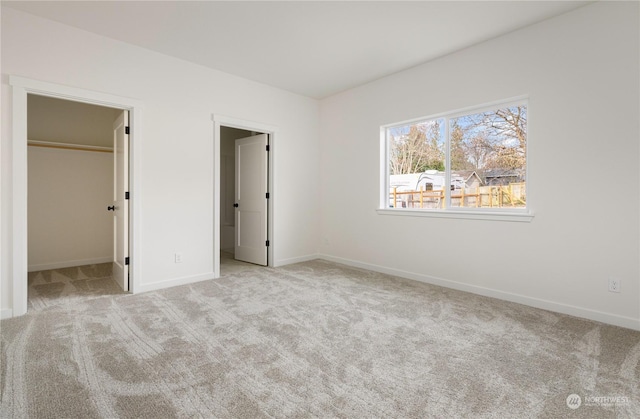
{"x": 251, "y": 199}
{"x": 120, "y": 206}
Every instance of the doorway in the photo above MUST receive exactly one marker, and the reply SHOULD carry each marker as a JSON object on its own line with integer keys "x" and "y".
{"x": 21, "y": 88}
{"x": 244, "y": 194}
{"x": 71, "y": 210}
{"x": 243, "y": 198}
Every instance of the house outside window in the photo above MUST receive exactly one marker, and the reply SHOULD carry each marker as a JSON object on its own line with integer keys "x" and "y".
{"x": 474, "y": 160}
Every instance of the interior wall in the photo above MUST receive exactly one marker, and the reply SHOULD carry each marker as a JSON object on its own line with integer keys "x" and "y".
{"x": 581, "y": 74}
{"x": 69, "y": 191}
{"x": 228, "y": 136}
{"x": 64, "y": 121}
{"x": 175, "y": 196}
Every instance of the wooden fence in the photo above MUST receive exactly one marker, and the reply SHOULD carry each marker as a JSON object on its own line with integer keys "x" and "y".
{"x": 512, "y": 196}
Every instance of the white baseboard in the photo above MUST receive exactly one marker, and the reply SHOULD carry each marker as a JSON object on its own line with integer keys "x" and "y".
{"x": 6, "y": 313}
{"x": 613, "y": 319}
{"x": 174, "y": 282}
{"x": 299, "y": 259}
{"x": 69, "y": 263}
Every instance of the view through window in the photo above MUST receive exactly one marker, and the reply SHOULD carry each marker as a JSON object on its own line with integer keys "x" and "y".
{"x": 471, "y": 160}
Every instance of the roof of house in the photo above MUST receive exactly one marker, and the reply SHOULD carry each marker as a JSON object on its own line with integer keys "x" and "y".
{"x": 495, "y": 173}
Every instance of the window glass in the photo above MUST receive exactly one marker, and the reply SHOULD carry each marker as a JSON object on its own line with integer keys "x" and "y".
{"x": 416, "y": 164}
{"x": 481, "y": 156}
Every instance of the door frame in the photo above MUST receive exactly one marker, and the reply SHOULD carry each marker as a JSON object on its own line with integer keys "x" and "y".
{"x": 271, "y": 130}
{"x": 21, "y": 87}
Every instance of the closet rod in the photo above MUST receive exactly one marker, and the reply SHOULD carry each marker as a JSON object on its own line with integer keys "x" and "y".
{"x": 66, "y": 146}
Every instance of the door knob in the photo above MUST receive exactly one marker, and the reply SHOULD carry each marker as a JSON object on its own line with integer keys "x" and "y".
{"x": 236, "y": 205}
{"x": 111, "y": 208}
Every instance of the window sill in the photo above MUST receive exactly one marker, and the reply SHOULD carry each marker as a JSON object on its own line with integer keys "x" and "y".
{"x": 523, "y": 217}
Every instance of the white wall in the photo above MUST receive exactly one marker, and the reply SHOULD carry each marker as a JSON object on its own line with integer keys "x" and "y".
{"x": 69, "y": 192}
{"x": 581, "y": 72}
{"x": 176, "y": 185}
{"x": 64, "y": 121}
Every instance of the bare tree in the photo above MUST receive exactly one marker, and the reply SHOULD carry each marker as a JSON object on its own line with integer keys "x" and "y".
{"x": 482, "y": 141}
{"x": 503, "y": 125}
{"x": 478, "y": 151}
{"x": 416, "y": 148}
{"x": 494, "y": 139}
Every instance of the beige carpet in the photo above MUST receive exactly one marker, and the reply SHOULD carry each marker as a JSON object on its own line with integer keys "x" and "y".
{"x": 79, "y": 283}
{"x": 314, "y": 339}
{"x": 230, "y": 266}
{"x": 68, "y": 285}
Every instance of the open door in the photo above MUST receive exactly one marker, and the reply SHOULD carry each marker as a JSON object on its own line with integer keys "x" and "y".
{"x": 251, "y": 199}
{"x": 120, "y": 205}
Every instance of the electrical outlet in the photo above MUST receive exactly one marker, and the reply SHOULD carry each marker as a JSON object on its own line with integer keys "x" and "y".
{"x": 614, "y": 285}
{"x": 178, "y": 257}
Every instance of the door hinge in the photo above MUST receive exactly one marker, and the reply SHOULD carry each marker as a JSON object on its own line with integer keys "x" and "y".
{"x": 267, "y": 243}
{"x": 126, "y": 195}
{"x": 267, "y": 195}
{"x": 126, "y": 130}
{"x": 267, "y": 147}
{"x": 126, "y": 260}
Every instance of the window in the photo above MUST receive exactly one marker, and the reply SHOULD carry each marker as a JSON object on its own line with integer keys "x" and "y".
{"x": 473, "y": 161}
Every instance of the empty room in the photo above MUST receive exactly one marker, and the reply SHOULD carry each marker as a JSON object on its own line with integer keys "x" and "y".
{"x": 320, "y": 209}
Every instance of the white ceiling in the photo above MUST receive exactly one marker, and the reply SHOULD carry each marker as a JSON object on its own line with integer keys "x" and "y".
{"x": 315, "y": 49}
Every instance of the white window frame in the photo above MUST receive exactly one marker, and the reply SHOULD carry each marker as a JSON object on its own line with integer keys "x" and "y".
{"x": 494, "y": 214}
